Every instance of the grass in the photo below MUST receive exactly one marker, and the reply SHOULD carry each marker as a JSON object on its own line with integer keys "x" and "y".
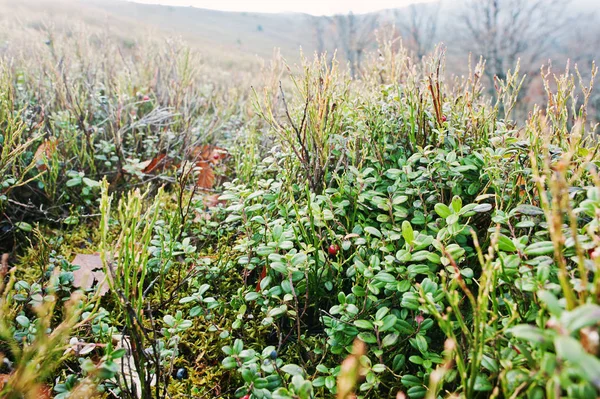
{"x": 313, "y": 235}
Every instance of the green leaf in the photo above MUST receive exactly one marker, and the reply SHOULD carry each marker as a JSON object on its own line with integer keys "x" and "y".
{"x": 551, "y": 302}
{"x": 481, "y": 208}
{"x": 91, "y": 183}
{"x": 169, "y": 320}
{"x": 399, "y": 199}
{"x": 373, "y": 231}
{"x": 482, "y": 383}
{"x": 364, "y": 324}
{"x": 421, "y": 343}
{"x": 418, "y": 269}
{"x": 292, "y": 369}
{"x": 378, "y": 368}
{"x": 580, "y": 317}
{"x": 528, "y": 210}
{"x": 540, "y": 248}
{"x": 416, "y": 359}
{"x": 119, "y": 353}
{"x": 570, "y": 349}
{"x": 261, "y": 383}
{"x": 282, "y": 393}
{"x": 381, "y": 313}
{"x": 229, "y": 363}
{"x": 23, "y": 321}
{"x": 299, "y": 259}
{"x": 456, "y": 204}
{"x": 411, "y": 380}
{"x": 417, "y": 392}
{"x": 506, "y": 244}
{"x": 368, "y": 338}
{"x": 529, "y": 333}
{"x": 389, "y": 321}
{"x": 442, "y": 210}
{"x": 389, "y": 340}
{"x": 489, "y": 364}
{"x": 407, "y": 232}
{"x": 385, "y": 277}
{"x": 24, "y": 226}
{"x": 74, "y": 182}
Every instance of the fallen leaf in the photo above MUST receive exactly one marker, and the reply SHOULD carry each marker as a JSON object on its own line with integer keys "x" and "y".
{"x": 206, "y": 175}
{"x": 90, "y": 270}
{"x": 151, "y": 165}
{"x": 100, "y": 278}
{"x": 44, "y": 153}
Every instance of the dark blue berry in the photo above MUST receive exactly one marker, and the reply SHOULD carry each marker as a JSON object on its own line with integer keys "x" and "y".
{"x": 181, "y": 374}
{"x": 273, "y": 355}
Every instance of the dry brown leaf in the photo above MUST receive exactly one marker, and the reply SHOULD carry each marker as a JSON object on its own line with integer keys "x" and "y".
{"x": 44, "y": 153}
{"x": 90, "y": 270}
{"x": 210, "y": 153}
{"x": 100, "y": 278}
{"x": 206, "y": 175}
{"x": 199, "y": 152}
{"x": 159, "y": 160}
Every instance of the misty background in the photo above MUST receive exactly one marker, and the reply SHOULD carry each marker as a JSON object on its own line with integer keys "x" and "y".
{"x": 502, "y": 32}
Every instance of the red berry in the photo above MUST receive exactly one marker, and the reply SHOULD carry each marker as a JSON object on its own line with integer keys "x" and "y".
{"x": 146, "y": 98}
{"x": 444, "y": 119}
{"x": 246, "y": 397}
{"x": 333, "y": 249}
{"x": 216, "y": 155}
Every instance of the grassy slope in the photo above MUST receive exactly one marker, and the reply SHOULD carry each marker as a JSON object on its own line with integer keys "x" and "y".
{"x": 226, "y": 31}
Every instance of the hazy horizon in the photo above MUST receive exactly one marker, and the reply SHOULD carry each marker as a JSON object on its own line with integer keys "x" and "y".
{"x": 314, "y": 7}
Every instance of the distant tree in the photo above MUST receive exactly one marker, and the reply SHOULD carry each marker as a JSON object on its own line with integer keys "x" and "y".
{"x": 583, "y": 49}
{"x": 418, "y": 24}
{"x": 259, "y": 28}
{"x": 320, "y": 25}
{"x": 353, "y": 35}
{"x": 503, "y": 31}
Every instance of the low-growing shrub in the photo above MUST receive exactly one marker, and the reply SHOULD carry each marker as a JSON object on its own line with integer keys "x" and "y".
{"x": 390, "y": 236}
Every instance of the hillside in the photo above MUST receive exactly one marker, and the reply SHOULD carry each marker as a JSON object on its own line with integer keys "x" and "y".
{"x": 229, "y": 37}
{"x": 251, "y": 33}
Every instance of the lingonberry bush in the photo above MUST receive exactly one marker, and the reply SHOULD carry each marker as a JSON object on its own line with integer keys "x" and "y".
{"x": 393, "y": 235}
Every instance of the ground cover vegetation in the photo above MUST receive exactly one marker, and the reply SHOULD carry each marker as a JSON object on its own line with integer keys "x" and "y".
{"x": 173, "y": 232}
